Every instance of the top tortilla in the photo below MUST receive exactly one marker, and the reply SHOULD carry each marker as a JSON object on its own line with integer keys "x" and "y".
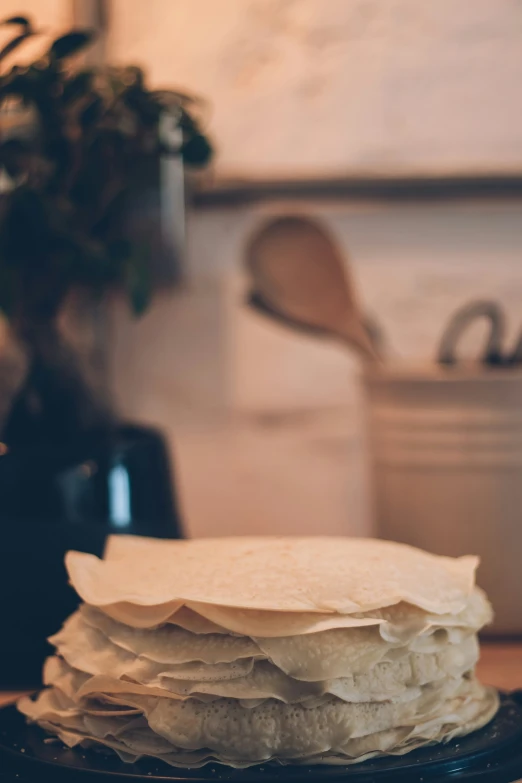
{"x": 316, "y": 575}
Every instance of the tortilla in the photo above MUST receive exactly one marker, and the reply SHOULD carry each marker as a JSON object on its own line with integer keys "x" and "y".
{"x": 335, "y": 733}
{"x": 318, "y": 575}
{"x": 397, "y": 680}
{"x": 397, "y": 621}
{"x": 247, "y": 622}
{"x": 157, "y": 657}
{"x": 249, "y": 651}
{"x": 87, "y": 649}
{"x": 171, "y": 644}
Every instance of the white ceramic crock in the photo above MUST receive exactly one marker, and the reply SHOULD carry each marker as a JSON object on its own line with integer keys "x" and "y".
{"x": 446, "y": 452}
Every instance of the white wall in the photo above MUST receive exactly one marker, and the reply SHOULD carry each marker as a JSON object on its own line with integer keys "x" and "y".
{"x": 318, "y": 86}
{"x": 266, "y": 424}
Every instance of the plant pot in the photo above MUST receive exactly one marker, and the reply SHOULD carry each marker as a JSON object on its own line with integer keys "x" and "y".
{"x": 54, "y": 498}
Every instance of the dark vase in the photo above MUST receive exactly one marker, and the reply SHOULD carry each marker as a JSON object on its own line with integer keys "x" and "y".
{"x": 69, "y": 476}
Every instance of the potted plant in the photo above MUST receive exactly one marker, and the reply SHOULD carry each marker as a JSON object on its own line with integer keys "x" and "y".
{"x": 72, "y": 154}
{"x": 74, "y": 143}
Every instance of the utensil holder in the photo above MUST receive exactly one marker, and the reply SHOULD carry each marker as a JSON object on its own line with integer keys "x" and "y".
{"x": 446, "y": 457}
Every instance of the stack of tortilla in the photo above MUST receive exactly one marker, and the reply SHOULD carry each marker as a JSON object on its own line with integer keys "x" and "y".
{"x": 250, "y": 650}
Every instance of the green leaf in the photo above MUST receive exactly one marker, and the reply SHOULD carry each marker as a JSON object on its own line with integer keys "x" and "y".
{"x": 77, "y": 87}
{"x": 196, "y": 151}
{"x": 120, "y": 250}
{"x": 92, "y": 113}
{"x": 7, "y": 291}
{"x": 71, "y": 43}
{"x": 187, "y": 123}
{"x": 21, "y": 20}
{"x": 138, "y": 280}
{"x": 19, "y": 245}
{"x": 140, "y": 102}
{"x": 13, "y": 44}
{"x": 16, "y": 157}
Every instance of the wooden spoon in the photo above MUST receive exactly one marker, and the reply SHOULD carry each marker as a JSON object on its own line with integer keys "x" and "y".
{"x": 298, "y": 276}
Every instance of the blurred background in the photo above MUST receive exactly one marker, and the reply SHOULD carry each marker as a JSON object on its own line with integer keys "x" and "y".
{"x": 310, "y": 100}
{"x": 260, "y": 273}
{"x": 304, "y": 98}
{"x": 390, "y": 128}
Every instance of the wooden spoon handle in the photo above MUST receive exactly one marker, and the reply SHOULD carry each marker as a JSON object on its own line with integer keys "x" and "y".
{"x": 357, "y": 337}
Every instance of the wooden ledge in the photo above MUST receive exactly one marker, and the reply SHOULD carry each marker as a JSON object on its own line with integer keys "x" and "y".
{"x": 239, "y": 192}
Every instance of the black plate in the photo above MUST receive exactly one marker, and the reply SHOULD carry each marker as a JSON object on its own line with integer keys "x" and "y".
{"x": 493, "y": 754}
